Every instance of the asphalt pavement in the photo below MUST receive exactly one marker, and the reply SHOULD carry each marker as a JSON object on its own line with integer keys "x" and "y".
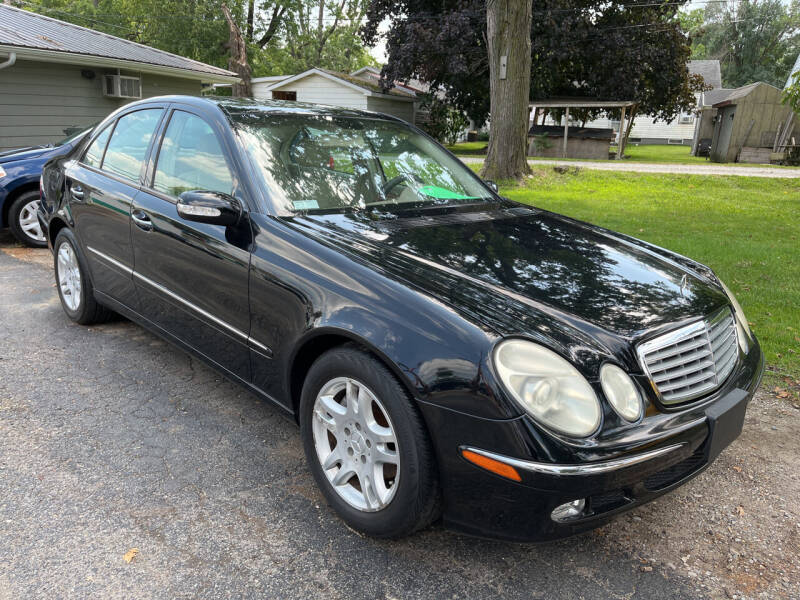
{"x": 115, "y": 445}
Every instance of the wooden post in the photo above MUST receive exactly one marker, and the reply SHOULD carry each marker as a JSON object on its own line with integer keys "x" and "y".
{"x": 621, "y": 136}
{"x": 566, "y": 133}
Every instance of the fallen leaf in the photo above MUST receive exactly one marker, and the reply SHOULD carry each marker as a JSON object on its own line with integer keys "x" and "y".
{"x": 130, "y": 555}
{"x": 740, "y": 510}
{"x": 737, "y": 469}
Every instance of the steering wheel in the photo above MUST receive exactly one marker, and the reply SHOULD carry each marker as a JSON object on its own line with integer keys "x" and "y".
{"x": 403, "y": 178}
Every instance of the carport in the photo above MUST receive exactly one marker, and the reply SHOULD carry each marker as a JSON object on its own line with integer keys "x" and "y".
{"x": 627, "y": 109}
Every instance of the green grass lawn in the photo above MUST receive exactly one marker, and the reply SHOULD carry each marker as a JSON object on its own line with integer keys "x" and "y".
{"x": 747, "y": 229}
{"x": 468, "y": 148}
{"x": 647, "y": 153}
{"x": 663, "y": 153}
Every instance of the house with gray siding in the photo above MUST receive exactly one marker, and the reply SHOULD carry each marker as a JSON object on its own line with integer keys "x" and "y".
{"x": 56, "y": 77}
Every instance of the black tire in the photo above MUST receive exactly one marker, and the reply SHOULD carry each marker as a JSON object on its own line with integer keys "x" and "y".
{"x": 416, "y": 501}
{"x": 88, "y": 310}
{"x": 14, "y": 214}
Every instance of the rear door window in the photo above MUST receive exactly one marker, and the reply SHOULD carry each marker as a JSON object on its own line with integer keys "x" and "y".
{"x": 128, "y": 145}
{"x": 94, "y": 154}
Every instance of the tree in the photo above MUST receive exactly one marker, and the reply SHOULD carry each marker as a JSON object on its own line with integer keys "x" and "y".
{"x": 445, "y": 123}
{"x": 614, "y": 50}
{"x": 281, "y": 36}
{"x": 238, "y": 58}
{"x": 754, "y": 40}
{"x": 508, "y": 26}
{"x": 319, "y": 34}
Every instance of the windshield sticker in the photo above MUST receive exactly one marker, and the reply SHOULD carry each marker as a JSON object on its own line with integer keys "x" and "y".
{"x": 305, "y": 204}
{"x": 434, "y": 191}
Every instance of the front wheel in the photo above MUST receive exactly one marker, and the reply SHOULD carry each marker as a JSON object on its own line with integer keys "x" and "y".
{"x": 367, "y": 446}
{"x": 24, "y": 223}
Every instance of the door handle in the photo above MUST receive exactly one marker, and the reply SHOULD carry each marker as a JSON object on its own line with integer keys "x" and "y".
{"x": 77, "y": 191}
{"x": 142, "y": 219}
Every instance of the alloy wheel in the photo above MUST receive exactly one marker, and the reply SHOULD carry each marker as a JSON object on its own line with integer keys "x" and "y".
{"x": 69, "y": 276}
{"x": 29, "y": 223}
{"x": 356, "y": 444}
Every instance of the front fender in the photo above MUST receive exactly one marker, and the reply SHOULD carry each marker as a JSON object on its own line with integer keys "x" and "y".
{"x": 301, "y": 290}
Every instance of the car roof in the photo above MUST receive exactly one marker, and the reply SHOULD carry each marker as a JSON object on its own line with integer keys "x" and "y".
{"x": 234, "y": 108}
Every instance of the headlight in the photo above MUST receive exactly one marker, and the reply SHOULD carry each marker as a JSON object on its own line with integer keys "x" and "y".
{"x": 548, "y": 387}
{"x": 621, "y": 392}
{"x": 742, "y": 327}
{"x": 2, "y": 172}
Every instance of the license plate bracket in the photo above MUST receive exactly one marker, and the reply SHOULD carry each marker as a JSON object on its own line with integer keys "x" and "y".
{"x": 725, "y": 421}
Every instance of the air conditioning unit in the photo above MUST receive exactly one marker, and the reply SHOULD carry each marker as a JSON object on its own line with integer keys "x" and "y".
{"x": 122, "y": 86}
{"x": 687, "y": 118}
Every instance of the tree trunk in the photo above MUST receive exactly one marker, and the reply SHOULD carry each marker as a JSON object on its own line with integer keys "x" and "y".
{"x": 508, "y": 28}
{"x": 250, "y": 14}
{"x": 238, "y": 59}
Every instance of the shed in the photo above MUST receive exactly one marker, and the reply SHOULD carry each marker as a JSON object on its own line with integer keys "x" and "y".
{"x": 56, "y": 76}
{"x": 626, "y": 107}
{"x": 320, "y": 86}
{"x": 747, "y": 124}
{"x": 704, "y": 123}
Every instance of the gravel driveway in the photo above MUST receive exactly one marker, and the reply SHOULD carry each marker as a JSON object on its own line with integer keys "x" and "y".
{"x": 113, "y": 440}
{"x": 672, "y": 169}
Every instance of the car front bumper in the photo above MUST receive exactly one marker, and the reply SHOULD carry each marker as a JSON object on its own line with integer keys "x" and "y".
{"x": 482, "y": 503}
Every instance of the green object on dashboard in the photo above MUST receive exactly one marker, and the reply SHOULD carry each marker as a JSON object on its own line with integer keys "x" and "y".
{"x": 434, "y": 191}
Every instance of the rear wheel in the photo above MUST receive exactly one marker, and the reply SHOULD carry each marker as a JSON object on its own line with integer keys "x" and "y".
{"x": 24, "y": 223}
{"x": 72, "y": 280}
{"x": 367, "y": 446}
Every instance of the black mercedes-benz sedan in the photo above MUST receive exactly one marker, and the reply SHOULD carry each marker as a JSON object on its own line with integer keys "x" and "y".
{"x": 446, "y": 352}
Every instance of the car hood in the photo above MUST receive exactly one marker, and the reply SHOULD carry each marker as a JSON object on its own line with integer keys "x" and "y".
{"x": 24, "y": 153}
{"x": 512, "y": 267}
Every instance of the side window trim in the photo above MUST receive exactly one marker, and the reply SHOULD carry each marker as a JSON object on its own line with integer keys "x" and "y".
{"x": 113, "y": 125}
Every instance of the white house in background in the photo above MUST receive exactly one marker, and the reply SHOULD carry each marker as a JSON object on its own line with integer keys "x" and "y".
{"x": 647, "y": 130}
{"x": 261, "y": 85}
{"x": 794, "y": 74}
{"x": 359, "y": 90}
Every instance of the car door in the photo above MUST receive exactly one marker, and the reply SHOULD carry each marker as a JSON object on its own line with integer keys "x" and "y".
{"x": 101, "y": 185}
{"x": 192, "y": 278}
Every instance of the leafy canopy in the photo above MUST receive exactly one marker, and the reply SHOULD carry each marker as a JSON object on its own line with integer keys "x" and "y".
{"x": 283, "y": 36}
{"x": 754, "y": 40}
{"x": 613, "y": 50}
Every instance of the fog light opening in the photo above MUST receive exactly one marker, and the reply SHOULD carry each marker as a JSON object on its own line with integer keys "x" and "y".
{"x": 568, "y": 510}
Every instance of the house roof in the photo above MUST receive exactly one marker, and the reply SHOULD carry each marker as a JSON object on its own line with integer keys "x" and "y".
{"x": 709, "y": 70}
{"x": 37, "y": 37}
{"x": 738, "y": 94}
{"x": 580, "y": 103}
{"x": 373, "y": 76}
{"x": 270, "y": 78}
{"x": 368, "y": 88}
{"x": 711, "y": 97}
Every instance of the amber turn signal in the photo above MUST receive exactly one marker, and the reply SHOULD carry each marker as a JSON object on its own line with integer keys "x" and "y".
{"x": 490, "y": 464}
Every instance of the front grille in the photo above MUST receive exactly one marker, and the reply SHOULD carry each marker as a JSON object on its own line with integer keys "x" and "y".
{"x": 675, "y": 473}
{"x": 692, "y": 361}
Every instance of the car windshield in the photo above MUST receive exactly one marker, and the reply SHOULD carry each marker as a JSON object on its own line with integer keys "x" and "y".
{"x": 331, "y": 164}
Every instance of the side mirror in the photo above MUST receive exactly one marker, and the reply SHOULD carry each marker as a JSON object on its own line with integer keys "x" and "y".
{"x": 492, "y": 185}
{"x": 209, "y": 207}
